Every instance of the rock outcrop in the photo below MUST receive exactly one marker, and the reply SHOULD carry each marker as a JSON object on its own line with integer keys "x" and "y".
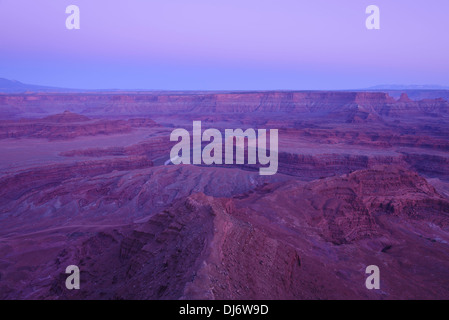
{"x": 68, "y": 125}
{"x": 85, "y": 179}
{"x": 275, "y": 241}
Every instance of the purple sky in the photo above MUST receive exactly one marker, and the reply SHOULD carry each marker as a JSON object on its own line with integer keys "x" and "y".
{"x": 224, "y": 44}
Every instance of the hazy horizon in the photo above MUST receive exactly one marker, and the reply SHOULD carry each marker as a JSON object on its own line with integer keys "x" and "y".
{"x": 16, "y": 86}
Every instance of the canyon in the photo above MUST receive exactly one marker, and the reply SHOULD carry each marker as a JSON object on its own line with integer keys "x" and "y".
{"x": 362, "y": 179}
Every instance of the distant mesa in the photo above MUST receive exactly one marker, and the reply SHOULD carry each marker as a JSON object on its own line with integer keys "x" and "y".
{"x": 69, "y": 125}
{"x": 66, "y": 117}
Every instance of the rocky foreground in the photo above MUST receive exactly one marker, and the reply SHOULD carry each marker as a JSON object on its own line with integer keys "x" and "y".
{"x": 363, "y": 180}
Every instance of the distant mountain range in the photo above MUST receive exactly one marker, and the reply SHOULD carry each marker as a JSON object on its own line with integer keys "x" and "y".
{"x": 407, "y": 87}
{"x": 14, "y": 86}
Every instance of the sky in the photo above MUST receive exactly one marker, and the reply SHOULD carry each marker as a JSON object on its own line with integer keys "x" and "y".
{"x": 224, "y": 44}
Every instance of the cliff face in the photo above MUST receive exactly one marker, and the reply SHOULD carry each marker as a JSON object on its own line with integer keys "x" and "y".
{"x": 68, "y": 125}
{"x": 144, "y": 103}
{"x": 275, "y": 241}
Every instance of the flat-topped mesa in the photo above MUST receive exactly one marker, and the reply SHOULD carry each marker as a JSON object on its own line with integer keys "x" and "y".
{"x": 373, "y": 97}
{"x": 66, "y": 117}
{"x": 195, "y": 102}
{"x": 69, "y": 125}
{"x": 303, "y": 101}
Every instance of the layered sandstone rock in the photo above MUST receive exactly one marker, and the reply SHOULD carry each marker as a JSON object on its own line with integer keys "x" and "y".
{"x": 68, "y": 126}
{"x": 228, "y": 102}
{"x": 288, "y": 240}
{"x": 355, "y": 187}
